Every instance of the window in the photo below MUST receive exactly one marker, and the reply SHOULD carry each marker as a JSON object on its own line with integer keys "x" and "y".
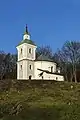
{"x": 30, "y": 50}
{"x": 30, "y": 77}
{"x": 51, "y": 68}
{"x": 30, "y": 67}
{"x": 21, "y": 67}
{"x": 21, "y": 50}
{"x": 42, "y": 77}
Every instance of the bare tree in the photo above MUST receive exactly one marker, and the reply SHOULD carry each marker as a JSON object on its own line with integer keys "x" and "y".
{"x": 2, "y": 64}
{"x": 44, "y": 50}
{"x": 7, "y": 65}
{"x": 10, "y": 65}
{"x": 69, "y": 57}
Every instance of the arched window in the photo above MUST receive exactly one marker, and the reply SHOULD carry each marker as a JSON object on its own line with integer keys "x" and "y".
{"x": 42, "y": 77}
{"x": 21, "y": 67}
{"x": 30, "y": 67}
{"x": 51, "y": 68}
{"x": 30, "y": 50}
{"x": 21, "y": 50}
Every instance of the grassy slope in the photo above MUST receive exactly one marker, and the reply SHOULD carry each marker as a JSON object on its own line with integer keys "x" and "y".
{"x": 57, "y": 101}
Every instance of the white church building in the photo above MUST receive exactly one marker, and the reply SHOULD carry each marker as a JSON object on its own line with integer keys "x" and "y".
{"x": 28, "y": 67}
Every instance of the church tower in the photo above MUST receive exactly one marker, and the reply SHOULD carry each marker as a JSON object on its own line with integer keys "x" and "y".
{"x": 26, "y": 56}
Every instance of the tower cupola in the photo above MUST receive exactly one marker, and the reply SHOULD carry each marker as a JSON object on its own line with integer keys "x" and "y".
{"x": 26, "y": 34}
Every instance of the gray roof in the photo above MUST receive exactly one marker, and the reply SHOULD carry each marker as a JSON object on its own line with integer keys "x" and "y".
{"x": 44, "y": 58}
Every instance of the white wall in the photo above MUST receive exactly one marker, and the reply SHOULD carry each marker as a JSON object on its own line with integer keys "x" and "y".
{"x": 25, "y": 52}
{"x": 31, "y": 55}
{"x": 25, "y": 58}
{"x": 25, "y": 69}
{"x": 30, "y": 72}
{"x": 45, "y": 65}
{"x": 19, "y": 71}
{"x": 26, "y": 36}
{"x": 22, "y": 55}
{"x": 53, "y": 77}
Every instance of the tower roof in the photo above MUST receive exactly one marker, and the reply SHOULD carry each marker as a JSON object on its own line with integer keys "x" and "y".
{"x": 27, "y": 41}
{"x": 26, "y": 30}
{"x": 26, "y": 38}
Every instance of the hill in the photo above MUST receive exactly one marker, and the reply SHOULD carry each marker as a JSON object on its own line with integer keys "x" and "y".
{"x": 40, "y": 100}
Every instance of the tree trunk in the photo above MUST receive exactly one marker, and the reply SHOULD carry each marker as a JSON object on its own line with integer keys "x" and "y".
{"x": 71, "y": 78}
{"x": 75, "y": 77}
{"x": 75, "y": 74}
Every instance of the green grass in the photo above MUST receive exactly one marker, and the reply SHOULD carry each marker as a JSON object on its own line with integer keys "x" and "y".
{"x": 56, "y": 101}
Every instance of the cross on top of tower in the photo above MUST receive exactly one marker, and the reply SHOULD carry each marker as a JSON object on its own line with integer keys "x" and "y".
{"x": 27, "y": 29}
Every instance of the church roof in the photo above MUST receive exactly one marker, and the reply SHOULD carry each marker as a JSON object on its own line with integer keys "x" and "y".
{"x": 48, "y": 72}
{"x": 44, "y": 58}
{"x": 27, "y": 41}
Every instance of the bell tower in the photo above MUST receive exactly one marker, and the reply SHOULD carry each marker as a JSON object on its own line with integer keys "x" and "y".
{"x": 26, "y": 55}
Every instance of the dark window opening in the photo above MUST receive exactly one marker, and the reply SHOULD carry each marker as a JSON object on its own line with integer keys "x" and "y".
{"x": 21, "y": 67}
{"x": 51, "y": 68}
{"x": 21, "y": 50}
{"x": 56, "y": 78}
{"x": 42, "y": 77}
{"x": 30, "y": 50}
{"x": 30, "y": 67}
{"x": 30, "y": 77}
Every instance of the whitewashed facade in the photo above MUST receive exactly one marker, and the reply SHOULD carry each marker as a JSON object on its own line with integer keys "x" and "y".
{"x": 28, "y": 67}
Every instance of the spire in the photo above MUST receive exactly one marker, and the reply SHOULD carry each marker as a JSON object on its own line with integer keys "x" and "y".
{"x": 27, "y": 29}
{"x": 26, "y": 34}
